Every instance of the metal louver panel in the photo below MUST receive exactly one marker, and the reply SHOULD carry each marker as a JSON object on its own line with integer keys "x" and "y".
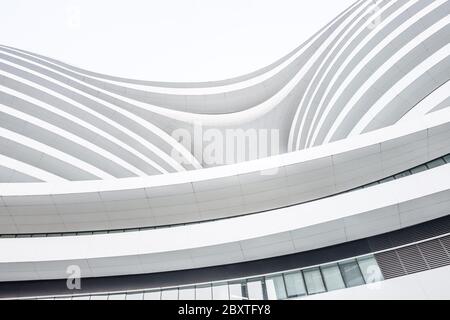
{"x": 412, "y": 259}
{"x": 390, "y": 264}
{"x": 434, "y": 253}
{"x": 445, "y": 241}
{"x": 415, "y": 258}
{"x": 411, "y": 234}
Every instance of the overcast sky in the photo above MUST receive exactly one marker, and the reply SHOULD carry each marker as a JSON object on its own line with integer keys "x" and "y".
{"x": 167, "y": 40}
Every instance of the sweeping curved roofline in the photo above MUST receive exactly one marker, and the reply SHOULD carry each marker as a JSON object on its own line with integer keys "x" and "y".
{"x": 188, "y": 84}
{"x": 258, "y": 166}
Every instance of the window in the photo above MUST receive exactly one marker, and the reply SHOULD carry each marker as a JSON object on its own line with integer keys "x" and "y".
{"x": 372, "y": 184}
{"x": 332, "y": 277}
{"x": 294, "y": 284}
{"x": 276, "y": 289}
{"x": 220, "y": 292}
{"x": 351, "y": 273}
{"x": 78, "y": 298}
{"x": 120, "y": 296}
{"x": 186, "y": 293}
{"x": 370, "y": 269}
{"x": 171, "y": 294}
{"x": 135, "y": 296}
{"x": 237, "y": 291}
{"x": 203, "y": 292}
{"x": 418, "y": 169}
{"x": 447, "y": 158}
{"x": 435, "y": 163}
{"x": 313, "y": 280}
{"x": 403, "y": 174}
{"x": 387, "y": 179}
{"x": 100, "y": 297}
{"x": 255, "y": 290}
{"x": 152, "y": 295}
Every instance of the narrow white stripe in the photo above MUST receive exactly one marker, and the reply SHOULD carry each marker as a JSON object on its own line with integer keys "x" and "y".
{"x": 399, "y": 87}
{"x": 52, "y": 152}
{"x": 94, "y": 148}
{"x": 335, "y": 34}
{"x": 81, "y": 107}
{"x": 227, "y": 119}
{"x": 213, "y": 89}
{"x": 430, "y": 102}
{"x": 312, "y": 136}
{"x": 29, "y": 170}
{"x": 378, "y": 74}
{"x": 148, "y": 125}
{"x": 376, "y": 15}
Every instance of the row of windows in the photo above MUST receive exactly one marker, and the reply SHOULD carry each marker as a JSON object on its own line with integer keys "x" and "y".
{"x": 292, "y": 284}
{"x": 429, "y": 165}
{"x": 423, "y": 167}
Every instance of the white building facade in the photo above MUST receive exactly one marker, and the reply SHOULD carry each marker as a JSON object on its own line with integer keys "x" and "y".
{"x": 337, "y": 187}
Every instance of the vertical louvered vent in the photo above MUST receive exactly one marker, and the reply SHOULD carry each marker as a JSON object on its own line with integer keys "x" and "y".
{"x": 434, "y": 253}
{"x": 411, "y": 234}
{"x": 415, "y": 258}
{"x": 390, "y": 264}
{"x": 412, "y": 259}
{"x": 445, "y": 241}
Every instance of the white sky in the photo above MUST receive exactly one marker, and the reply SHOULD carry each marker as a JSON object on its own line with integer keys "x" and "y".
{"x": 165, "y": 40}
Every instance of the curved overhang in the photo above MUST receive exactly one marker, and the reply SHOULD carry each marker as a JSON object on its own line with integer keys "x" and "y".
{"x": 362, "y": 213}
{"x": 364, "y": 99}
{"x": 225, "y": 191}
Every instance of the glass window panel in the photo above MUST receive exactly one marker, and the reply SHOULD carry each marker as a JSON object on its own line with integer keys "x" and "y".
{"x": 100, "y": 297}
{"x": 435, "y": 163}
{"x": 294, "y": 284}
{"x": 220, "y": 291}
{"x": 333, "y": 278}
{"x": 120, "y": 296}
{"x": 135, "y": 296}
{"x": 313, "y": 280}
{"x": 370, "y": 269}
{"x": 447, "y": 158}
{"x": 66, "y": 298}
{"x": 203, "y": 293}
{"x": 237, "y": 291}
{"x": 79, "y": 298}
{"x": 387, "y": 179}
{"x": 187, "y": 294}
{"x": 418, "y": 169}
{"x": 255, "y": 290}
{"x": 275, "y": 288}
{"x": 403, "y": 174}
{"x": 171, "y": 294}
{"x": 351, "y": 273}
{"x": 372, "y": 184}
{"x": 152, "y": 295}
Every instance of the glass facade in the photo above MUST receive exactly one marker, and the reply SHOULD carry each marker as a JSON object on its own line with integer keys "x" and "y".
{"x": 295, "y": 286}
{"x": 314, "y": 281}
{"x": 276, "y": 290}
{"x": 203, "y": 292}
{"x": 220, "y": 291}
{"x": 351, "y": 273}
{"x": 255, "y": 289}
{"x": 186, "y": 293}
{"x": 332, "y": 277}
{"x": 370, "y": 269}
{"x": 283, "y": 285}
